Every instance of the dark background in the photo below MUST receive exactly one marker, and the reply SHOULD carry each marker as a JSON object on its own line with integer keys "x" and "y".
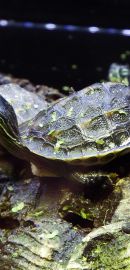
{"x": 58, "y": 57}
{"x": 112, "y": 13}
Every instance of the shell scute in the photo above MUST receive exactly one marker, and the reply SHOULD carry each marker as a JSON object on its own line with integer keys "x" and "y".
{"x": 88, "y": 125}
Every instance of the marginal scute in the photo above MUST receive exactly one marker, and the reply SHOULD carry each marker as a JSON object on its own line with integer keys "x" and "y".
{"x": 107, "y": 158}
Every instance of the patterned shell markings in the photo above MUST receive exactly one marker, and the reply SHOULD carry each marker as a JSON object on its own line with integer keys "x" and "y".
{"x": 90, "y": 126}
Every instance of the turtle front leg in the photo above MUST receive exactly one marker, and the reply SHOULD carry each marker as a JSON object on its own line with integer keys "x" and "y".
{"x": 93, "y": 177}
{"x": 95, "y": 185}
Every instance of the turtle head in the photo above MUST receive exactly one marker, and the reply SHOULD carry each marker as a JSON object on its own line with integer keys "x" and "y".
{"x": 8, "y": 123}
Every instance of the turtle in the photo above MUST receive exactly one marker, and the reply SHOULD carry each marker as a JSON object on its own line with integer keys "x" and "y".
{"x": 69, "y": 138}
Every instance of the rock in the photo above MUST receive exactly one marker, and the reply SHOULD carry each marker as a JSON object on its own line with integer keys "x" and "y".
{"x": 26, "y": 104}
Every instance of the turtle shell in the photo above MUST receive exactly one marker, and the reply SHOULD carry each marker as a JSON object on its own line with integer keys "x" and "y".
{"x": 91, "y": 126}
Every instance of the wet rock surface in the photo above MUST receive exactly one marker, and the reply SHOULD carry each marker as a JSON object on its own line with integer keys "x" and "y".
{"x": 34, "y": 233}
{"x": 47, "y": 93}
{"x": 26, "y": 104}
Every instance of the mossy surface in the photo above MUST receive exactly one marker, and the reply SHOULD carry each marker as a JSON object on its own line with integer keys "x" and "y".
{"x": 109, "y": 254}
